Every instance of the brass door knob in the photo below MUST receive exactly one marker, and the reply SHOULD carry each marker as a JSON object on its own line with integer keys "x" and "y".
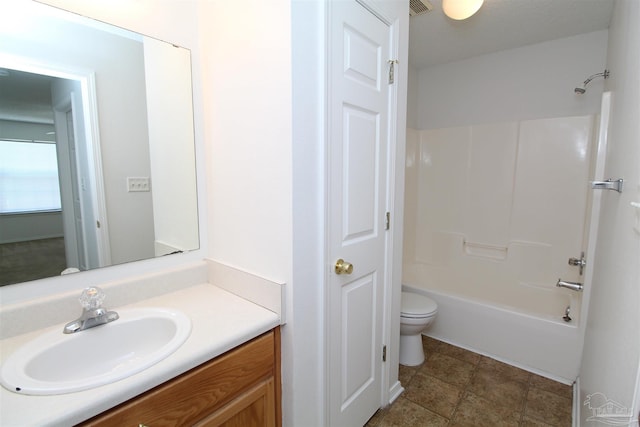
{"x": 343, "y": 267}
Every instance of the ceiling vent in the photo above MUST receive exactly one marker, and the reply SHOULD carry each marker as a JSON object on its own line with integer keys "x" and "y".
{"x": 419, "y": 7}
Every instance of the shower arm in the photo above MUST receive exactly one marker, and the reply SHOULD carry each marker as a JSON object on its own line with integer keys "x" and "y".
{"x": 604, "y": 74}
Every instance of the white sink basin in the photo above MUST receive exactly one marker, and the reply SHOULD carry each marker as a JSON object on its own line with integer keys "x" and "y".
{"x": 57, "y": 363}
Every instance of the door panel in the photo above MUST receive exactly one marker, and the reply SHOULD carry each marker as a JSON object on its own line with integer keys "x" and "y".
{"x": 361, "y": 152}
{"x": 359, "y": 364}
{"x": 361, "y": 58}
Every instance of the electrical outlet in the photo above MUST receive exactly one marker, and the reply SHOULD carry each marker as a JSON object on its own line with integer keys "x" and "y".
{"x": 138, "y": 183}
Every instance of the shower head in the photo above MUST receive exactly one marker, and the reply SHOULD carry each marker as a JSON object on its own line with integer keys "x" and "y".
{"x": 583, "y": 89}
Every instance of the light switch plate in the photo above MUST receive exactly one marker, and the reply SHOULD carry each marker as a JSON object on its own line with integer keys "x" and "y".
{"x": 138, "y": 184}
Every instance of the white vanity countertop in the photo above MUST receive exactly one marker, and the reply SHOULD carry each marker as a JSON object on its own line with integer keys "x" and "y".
{"x": 220, "y": 322}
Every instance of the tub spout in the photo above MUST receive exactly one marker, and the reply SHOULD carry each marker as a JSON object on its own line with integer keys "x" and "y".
{"x": 574, "y": 286}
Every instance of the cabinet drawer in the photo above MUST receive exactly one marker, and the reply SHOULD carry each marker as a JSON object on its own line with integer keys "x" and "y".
{"x": 196, "y": 394}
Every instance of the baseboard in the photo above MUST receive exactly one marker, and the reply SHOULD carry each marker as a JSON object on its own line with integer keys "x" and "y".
{"x": 575, "y": 409}
{"x": 395, "y": 391}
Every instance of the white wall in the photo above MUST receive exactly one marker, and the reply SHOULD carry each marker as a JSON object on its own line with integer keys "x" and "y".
{"x": 23, "y": 130}
{"x": 412, "y": 165}
{"x": 30, "y": 226}
{"x": 248, "y": 128}
{"x": 412, "y": 98}
{"x": 611, "y": 355}
{"x": 530, "y": 82}
{"x": 247, "y": 78}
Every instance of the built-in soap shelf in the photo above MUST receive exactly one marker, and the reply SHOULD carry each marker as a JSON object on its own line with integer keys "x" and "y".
{"x": 485, "y": 251}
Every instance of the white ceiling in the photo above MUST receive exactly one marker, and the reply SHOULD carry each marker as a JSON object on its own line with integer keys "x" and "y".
{"x": 499, "y": 25}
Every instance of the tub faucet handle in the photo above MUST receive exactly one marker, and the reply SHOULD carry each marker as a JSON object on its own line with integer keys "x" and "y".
{"x": 91, "y": 298}
{"x": 580, "y": 262}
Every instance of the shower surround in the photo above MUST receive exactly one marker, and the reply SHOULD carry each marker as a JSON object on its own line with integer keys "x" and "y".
{"x": 493, "y": 212}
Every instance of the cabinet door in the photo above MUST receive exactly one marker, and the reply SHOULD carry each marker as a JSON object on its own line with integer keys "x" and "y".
{"x": 254, "y": 408}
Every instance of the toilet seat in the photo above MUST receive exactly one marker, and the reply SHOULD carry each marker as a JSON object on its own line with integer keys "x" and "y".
{"x": 417, "y": 306}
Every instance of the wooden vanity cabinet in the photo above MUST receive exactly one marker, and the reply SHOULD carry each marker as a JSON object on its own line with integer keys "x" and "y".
{"x": 239, "y": 388}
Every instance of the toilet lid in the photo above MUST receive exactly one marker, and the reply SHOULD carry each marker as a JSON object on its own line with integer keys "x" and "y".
{"x": 416, "y": 305}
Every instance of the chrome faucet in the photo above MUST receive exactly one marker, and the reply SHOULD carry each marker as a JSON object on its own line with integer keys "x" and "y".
{"x": 93, "y": 314}
{"x": 574, "y": 286}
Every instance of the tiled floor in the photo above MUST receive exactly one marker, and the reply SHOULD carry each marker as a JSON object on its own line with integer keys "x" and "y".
{"x": 456, "y": 387}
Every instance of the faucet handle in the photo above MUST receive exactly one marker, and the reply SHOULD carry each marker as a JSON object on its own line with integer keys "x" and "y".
{"x": 91, "y": 298}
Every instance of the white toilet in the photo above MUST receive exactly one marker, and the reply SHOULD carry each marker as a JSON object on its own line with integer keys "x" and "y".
{"x": 416, "y": 313}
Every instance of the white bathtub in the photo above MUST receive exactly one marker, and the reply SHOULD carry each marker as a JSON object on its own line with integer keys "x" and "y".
{"x": 522, "y": 327}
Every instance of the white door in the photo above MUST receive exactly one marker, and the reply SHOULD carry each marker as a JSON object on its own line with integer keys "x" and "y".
{"x": 358, "y": 142}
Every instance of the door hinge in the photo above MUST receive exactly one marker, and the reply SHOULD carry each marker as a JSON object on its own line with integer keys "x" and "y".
{"x": 392, "y": 63}
{"x": 384, "y": 353}
{"x": 388, "y": 221}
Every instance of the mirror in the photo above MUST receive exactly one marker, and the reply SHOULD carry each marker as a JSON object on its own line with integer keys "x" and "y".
{"x": 97, "y": 155}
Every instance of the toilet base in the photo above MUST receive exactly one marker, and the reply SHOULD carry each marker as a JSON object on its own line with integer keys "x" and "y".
{"x": 411, "y": 351}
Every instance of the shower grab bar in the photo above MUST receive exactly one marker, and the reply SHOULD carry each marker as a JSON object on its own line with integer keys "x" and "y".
{"x": 609, "y": 184}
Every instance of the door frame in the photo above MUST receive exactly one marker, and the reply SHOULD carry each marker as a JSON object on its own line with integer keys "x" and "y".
{"x": 91, "y": 136}
{"x": 74, "y": 241}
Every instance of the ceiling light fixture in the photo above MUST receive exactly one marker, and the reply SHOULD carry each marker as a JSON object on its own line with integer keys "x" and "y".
{"x": 460, "y": 9}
